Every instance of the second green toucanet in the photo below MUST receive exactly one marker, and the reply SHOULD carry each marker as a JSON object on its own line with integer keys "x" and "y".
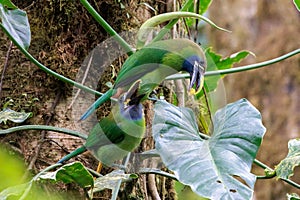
{"x": 152, "y": 64}
{"x": 114, "y": 136}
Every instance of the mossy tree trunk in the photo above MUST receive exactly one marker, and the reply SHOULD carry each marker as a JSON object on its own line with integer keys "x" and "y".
{"x": 63, "y": 33}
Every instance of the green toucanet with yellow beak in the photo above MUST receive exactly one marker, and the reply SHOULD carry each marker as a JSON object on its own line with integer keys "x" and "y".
{"x": 152, "y": 64}
{"x": 117, "y": 134}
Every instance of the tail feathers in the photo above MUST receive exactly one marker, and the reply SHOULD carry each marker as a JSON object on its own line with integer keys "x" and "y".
{"x": 74, "y": 153}
{"x": 96, "y": 104}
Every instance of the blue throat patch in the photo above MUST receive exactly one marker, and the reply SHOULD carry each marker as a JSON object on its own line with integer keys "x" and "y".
{"x": 188, "y": 64}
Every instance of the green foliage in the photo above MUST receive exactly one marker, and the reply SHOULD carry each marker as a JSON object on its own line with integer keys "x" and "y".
{"x": 12, "y": 184}
{"x": 200, "y": 163}
{"x": 286, "y": 167}
{"x": 217, "y": 62}
{"x": 148, "y": 25}
{"x": 71, "y": 173}
{"x": 29, "y": 191}
{"x": 17, "y": 117}
{"x": 11, "y": 170}
{"x": 204, "y": 5}
{"x": 16, "y": 23}
{"x": 15, "y": 191}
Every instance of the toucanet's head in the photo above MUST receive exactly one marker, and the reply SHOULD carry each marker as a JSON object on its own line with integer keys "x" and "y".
{"x": 196, "y": 67}
{"x": 130, "y": 103}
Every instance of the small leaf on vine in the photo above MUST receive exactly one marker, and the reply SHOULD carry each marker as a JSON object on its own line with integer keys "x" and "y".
{"x": 71, "y": 173}
{"x": 286, "y": 167}
{"x": 17, "y": 117}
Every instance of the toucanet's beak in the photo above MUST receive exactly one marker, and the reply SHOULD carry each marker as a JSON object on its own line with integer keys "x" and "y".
{"x": 133, "y": 90}
{"x": 131, "y": 97}
{"x": 197, "y": 77}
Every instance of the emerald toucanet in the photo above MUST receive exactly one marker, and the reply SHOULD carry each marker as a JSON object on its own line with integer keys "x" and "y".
{"x": 117, "y": 134}
{"x": 152, "y": 64}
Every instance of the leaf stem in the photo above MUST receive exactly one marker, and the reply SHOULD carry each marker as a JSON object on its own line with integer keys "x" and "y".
{"x": 35, "y": 178}
{"x": 107, "y": 27}
{"x": 43, "y": 127}
{"x": 158, "y": 19}
{"x": 44, "y": 68}
{"x": 94, "y": 173}
{"x": 253, "y": 66}
{"x": 168, "y": 27}
{"x": 158, "y": 172}
{"x": 264, "y": 166}
{"x": 239, "y": 69}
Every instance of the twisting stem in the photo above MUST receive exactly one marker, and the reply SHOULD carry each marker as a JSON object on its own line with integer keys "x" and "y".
{"x": 43, "y": 127}
{"x": 253, "y": 66}
{"x": 241, "y": 68}
{"x": 264, "y": 166}
{"x": 168, "y": 27}
{"x": 107, "y": 27}
{"x": 208, "y": 108}
{"x": 158, "y": 172}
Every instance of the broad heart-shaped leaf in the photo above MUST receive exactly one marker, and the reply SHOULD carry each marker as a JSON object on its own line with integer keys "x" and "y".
{"x": 71, "y": 173}
{"x": 17, "y": 117}
{"x": 210, "y": 167}
{"x": 216, "y": 62}
{"x": 16, "y": 24}
{"x": 286, "y": 167}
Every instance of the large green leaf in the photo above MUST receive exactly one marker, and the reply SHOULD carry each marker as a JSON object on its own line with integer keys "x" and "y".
{"x": 12, "y": 169}
{"x": 216, "y": 62}
{"x": 210, "y": 167}
{"x": 16, "y": 24}
{"x": 15, "y": 191}
{"x": 29, "y": 190}
{"x": 17, "y": 117}
{"x": 71, "y": 173}
{"x": 286, "y": 167}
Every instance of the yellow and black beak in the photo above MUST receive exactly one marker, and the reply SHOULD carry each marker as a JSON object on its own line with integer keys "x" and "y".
{"x": 197, "y": 77}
